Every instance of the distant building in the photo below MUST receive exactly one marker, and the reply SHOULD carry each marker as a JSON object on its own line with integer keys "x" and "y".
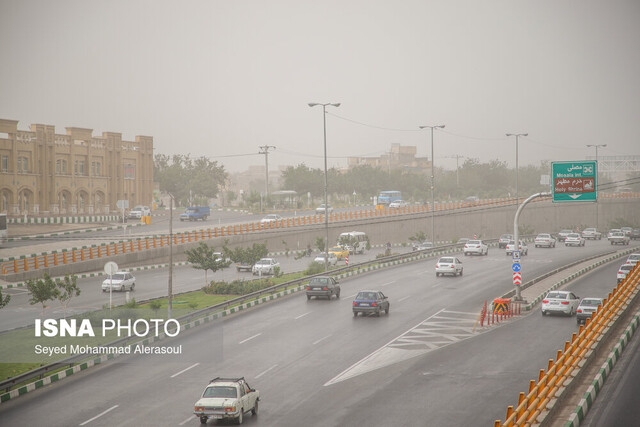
{"x": 76, "y": 173}
{"x": 399, "y": 157}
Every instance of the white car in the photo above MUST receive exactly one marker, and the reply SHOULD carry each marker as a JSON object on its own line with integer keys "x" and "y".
{"x": 449, "y": 265}
{"x": 624, "y": 270}
{"x": 475, "y": 247}
{"x": 333, "y": 259}
{"x": 544, "y": 240}
{"x": 633, "y": 259}
{"x": 398, "y": 204}
{"x": 574, "y": 239}
{"x": 562, "y": 234}
{"x": 524, "y": 249}
{"x": 120, "y": 281}
{"x": 227, "y": 399}
{"x": 591, "y": 233}
{"x": 563, "y": 302}
{"x": 619, "y": 238}
{"x": 270, "y": 218}
{"x": 265, "y": 266}
{"x": 322, "y": 209}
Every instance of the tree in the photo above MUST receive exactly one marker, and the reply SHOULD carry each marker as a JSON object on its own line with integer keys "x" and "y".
{"x": 42, "y": 291}
{"x": 4, "y": 300}
{"x": 320, "y": 244}
{"x": 246, "y": 256}
{"x": 187, "y": 179}
{"x": 66, "y": 289}
{"x": 204, "y": 257}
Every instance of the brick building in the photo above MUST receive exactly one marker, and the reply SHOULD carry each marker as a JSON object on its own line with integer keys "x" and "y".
{"x": 42, "y": 172}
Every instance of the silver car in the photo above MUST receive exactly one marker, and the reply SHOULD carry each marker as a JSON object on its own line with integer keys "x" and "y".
{"x": 563, "y": 302}
{"x": 449, "y": 265}
{"x": 120, "y": 281}
{"x": 586, "y": 307}
{"x": 544, "y": 240}
{"x": 574, "y": 239}
{"x": 265, "y": 266}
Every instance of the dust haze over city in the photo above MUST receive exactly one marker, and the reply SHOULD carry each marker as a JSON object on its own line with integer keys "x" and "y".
{"x": 221, "y": 78}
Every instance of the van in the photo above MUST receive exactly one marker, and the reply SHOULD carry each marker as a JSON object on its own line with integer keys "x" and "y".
{"x": 355, "y": 241}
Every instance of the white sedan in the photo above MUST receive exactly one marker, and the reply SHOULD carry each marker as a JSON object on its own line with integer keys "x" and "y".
{"x": 546, "y": 240}
{"x": 332, "y": 260}
{"x": 270, "y": 218}
{"x": 574, "y": 239}
{"x": 449, "y": 265}
{"x": 120, "y": 281}
{"x": 475, "y": 247}
{"x": 563, "y": 302}
{"x": 524, "y": 249}
{"x": 265, "y": 266}
{"x": 398, "y": 204}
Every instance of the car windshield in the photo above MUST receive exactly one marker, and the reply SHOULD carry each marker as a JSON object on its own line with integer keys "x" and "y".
{"x": 574, "y": 235}
{"x": 264, "y": 262}
{"x": 320, "y": 280}
{"x": 565, "y": 231}
{"x": 366, "y": 296}
{"x": 118, "y": 276}
{"x": 473, "y": 242}
{"x": 626, "y": 267}
{"x": 220, "y": 391}
{"x": 506, "y": 236}
{"x": 591, "y": 302}
{"x": 556, "y": 295}
{"x": 446, "y": 260}
{"x": 543, "y": 236}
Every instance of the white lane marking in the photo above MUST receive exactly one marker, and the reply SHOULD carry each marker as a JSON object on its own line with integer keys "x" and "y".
{"x": 250, "y": 338}
{"x": 404, "y": 298}
{"x": 186, "y": 421}
{"x": 99, "y": 415}
{"x": 387, "y": 284}
{"x": 302, "y": 315}
{"x": 351, "y": 296}
{"x": 264, "y": 372}
{"x": 185, "y": 370}
{"x": 321, "y": 339}
{"x": 337, "y": 378}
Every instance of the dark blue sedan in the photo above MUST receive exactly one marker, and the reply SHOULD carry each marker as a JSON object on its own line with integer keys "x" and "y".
{"x": 368, "y": 302}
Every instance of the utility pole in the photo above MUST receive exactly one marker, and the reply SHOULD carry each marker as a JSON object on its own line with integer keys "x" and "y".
{"x": 457, "y": 157}
{"x": 170, "y": 290}
{"x": 264, "y": 149}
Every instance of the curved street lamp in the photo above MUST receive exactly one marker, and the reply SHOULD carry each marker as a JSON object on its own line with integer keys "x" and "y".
{"x": 517, "y": 135}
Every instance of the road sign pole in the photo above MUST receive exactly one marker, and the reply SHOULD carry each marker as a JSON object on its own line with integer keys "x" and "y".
{"x": 516, "y": 237}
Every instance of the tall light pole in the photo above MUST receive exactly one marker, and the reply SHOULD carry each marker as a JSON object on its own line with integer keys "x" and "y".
{"x": 597, "y": 180}
{"x": 433, "y": 236}
{"x": 457, "y": 157}
{"x": 517, "y": 135}
{"x": 264, "y": 149}
{"x": 326, "y": 202}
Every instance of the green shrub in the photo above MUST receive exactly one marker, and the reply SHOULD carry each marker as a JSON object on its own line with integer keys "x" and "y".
{"x": 236, "y": 287}
{"x": 314, "y": 268}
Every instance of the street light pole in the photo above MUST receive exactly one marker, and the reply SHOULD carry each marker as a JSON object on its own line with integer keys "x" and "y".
{"x": 433, "y": 236}
{"x": 326, "y": 202}
{"x": 597, "y": 173}
{"x": 265, "y": 150}
{"x": 517, "y": 135}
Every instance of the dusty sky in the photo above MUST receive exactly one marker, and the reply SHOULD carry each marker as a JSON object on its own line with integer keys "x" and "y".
{"x": 221, "y": 78}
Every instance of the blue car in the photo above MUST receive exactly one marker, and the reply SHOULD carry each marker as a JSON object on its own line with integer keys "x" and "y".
{"x": 368, "y": 302}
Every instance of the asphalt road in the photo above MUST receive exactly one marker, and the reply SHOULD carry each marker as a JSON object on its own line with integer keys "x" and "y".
{"x": 423, "y": 364}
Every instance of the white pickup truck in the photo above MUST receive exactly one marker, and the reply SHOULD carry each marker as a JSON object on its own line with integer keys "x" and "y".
{"x": 227, "y": 398}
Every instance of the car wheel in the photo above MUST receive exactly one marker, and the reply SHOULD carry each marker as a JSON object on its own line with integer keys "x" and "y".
{"x": 133, "y": 285}
{"x": 578, "y": 321}
{"x": 338, "y": 295}
{"x": 437, "y": 274}
{"x": 387, "y": 309}
{"x": 378, "y": 312}
{"x": 486, "y": 253}
{"x": 308, "y": 297}
{"x": 122, "y": 288}
{"x": 465, "y": 254}
{"x": 461, "y": 271}
{"x": 355, "y": 314}
{"x": 543, "y": 313}
{"x": 254, "y": 411}
{"x": 203, "y": 420}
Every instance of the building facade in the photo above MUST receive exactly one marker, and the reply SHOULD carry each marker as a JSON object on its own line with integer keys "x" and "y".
{"x": 42, "y": 172}
{"x": 399, "y": 157}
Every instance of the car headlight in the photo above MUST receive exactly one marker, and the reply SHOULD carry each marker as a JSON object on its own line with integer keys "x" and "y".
{"x": 230, "y": 409}
{"x": 198, "y": 409}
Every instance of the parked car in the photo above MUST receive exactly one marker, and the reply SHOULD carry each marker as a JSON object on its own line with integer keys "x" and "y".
{"x": 370, "y": 302}
{"x": 449, "y": 265}
{"x": 619, "y": 238}
{"x": 398, "y": 204}
{"x": 270, "y": 218}
{"x": 138, "y": 212}
{"x": 563, "y": 302}
{"x": 524, "y": 249}
{"x": 586, "y": 307}
{"x": 340, "y": 252}
{"x": 322, "y": 209}
{"x": 323, "y": 286}
{"x": 475, "y": 247}
{"x": 422, "y": 246}
{"x": 544, "y": 240}
{"x": 504, "y": 240}
{"x": 120, "y": 281}
{"x": 562, "y": 234}
{"x": 331, "y": 257}
{"x": 226, "y": 399}
{"x": 591, "y": 233}
{"x": 624, "y": 270}
{"x": 265, "y": 266}
{"x": 633, "y": 259}
{"x": 635, "y": 234}
{"x": 574, "y": 239}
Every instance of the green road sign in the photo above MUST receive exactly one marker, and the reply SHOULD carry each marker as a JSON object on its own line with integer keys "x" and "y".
{"x": 574, "y": 181}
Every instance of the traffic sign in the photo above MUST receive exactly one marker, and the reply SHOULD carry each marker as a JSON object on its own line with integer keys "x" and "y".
{"x": 516, "y": 267}
{"x": 575, "y": 181}
{"x": 111, "y": 268}
{"x": 517, "y": 278}
{"x": 515, "y": 255}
